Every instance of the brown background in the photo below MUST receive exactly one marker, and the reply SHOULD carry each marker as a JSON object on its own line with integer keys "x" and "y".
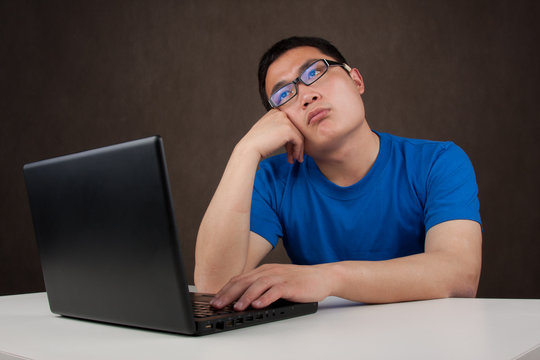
{"x": 81, "y": 74}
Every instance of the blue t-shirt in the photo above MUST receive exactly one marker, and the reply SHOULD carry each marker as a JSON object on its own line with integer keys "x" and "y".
{"x": 412, "y": 186}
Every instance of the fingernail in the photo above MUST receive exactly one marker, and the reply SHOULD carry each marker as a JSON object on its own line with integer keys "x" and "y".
{"x": 239, "y": 305}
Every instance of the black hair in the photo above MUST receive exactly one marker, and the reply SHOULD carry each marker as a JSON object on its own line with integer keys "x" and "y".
{"x": 285, "y": 45}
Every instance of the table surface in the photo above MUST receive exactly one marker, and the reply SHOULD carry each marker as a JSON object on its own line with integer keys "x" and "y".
{"x": 434, "y": 329}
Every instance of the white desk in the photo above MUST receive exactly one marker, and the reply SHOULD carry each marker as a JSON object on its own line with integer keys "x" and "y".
{"x": 437, "y": 329}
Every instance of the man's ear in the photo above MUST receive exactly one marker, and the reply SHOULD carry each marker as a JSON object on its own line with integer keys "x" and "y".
{"x": 358, "y": 80}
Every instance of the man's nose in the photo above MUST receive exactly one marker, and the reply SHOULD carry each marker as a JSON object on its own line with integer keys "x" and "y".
{"x": 309, "y": 95}
{"x": 308, "y": 101}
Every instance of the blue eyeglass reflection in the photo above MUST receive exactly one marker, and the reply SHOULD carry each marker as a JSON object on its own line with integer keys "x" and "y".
{"x": 313, "y": 73}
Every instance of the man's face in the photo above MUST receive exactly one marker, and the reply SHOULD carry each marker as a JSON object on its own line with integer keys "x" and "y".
{"x": 325, "y": 112}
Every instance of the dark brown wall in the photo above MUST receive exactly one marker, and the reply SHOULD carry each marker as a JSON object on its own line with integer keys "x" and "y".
{"x": 77, "y": 75}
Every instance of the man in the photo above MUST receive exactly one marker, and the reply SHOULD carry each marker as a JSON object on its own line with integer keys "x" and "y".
{"x": 363, "y": 215}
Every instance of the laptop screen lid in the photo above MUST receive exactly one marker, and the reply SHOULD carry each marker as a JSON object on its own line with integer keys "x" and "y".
{"x": 107, "y": 237}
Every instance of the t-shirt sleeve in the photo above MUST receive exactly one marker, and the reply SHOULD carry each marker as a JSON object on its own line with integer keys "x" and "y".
{"x": 452, "y": 191}
{"x": 264, "y": 205}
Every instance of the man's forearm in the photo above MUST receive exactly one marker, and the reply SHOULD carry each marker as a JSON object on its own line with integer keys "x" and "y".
{"x": 222, "y": 241}
{"x": 416, "y": 277}
{"x": 450, "y": 266}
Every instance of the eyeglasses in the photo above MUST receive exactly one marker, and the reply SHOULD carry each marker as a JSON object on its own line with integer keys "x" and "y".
{"x": 313, "y": 73}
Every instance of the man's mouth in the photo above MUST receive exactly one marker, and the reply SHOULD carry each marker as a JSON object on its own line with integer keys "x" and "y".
{"x": 316, "y": 115}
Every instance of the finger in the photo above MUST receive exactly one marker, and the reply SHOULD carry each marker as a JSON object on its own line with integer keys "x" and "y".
{"x": 236, "y": 287}
{"x": 272, "y": 294}
{"x": 289, "y": 147}
{"x": 300, "y": 152}
{"x": 298, "y": 145}
{"x": 230, "y": 292}
{"x": 253, "y": 292}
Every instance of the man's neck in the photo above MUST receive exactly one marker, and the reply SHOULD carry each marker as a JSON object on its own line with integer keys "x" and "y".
{"x": 350, "y": 162}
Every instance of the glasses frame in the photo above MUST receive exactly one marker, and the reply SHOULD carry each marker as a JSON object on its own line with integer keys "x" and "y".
{"x": 295, "y": 82}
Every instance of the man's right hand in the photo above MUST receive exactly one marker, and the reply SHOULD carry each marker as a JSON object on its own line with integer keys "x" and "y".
{"x": 273, "y": 131}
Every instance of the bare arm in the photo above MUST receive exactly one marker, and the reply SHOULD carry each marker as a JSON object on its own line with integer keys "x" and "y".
{"x": 450, "y": 266}
{"x": 225, "y": 246}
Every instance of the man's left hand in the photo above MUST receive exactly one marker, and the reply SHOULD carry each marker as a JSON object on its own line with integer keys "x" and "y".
{"x": 268, "y": 283}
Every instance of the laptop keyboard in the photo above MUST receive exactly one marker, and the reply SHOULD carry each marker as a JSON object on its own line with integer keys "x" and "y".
{"x": 202, "y": 309}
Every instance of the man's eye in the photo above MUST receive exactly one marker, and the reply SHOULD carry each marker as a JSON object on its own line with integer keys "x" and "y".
{"x": 313, "y": 73}
{"x": 284, "y": 94}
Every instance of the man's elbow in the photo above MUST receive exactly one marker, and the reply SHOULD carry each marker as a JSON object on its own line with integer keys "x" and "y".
{"x": 465, "y": 291}
{"x": 465, "y": 284}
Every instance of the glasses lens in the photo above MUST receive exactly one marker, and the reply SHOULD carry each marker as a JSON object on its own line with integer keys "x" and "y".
{"x": 283, "y": 95}
{"x": 314, "y": 72}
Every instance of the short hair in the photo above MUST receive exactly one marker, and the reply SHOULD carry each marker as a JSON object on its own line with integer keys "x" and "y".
{"x": 285, "y": 45}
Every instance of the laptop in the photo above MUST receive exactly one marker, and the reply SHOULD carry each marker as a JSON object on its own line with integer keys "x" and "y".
{"x": 107, "y": 239}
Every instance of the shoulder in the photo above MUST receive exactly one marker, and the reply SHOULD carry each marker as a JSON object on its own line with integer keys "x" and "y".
{"x": 429, "y": 164}
{"x": 412, "y": 146}
{"x": 426, "y": 152}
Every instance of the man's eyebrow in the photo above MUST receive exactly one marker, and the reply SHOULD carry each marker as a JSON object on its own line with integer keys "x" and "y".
{"x": 301, "y": 69}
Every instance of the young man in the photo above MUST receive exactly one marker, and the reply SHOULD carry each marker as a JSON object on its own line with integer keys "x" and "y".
{"x": 363, "y": 215}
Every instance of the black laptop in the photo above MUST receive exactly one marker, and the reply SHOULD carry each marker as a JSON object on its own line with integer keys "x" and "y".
{"x": 108, "y": 244}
